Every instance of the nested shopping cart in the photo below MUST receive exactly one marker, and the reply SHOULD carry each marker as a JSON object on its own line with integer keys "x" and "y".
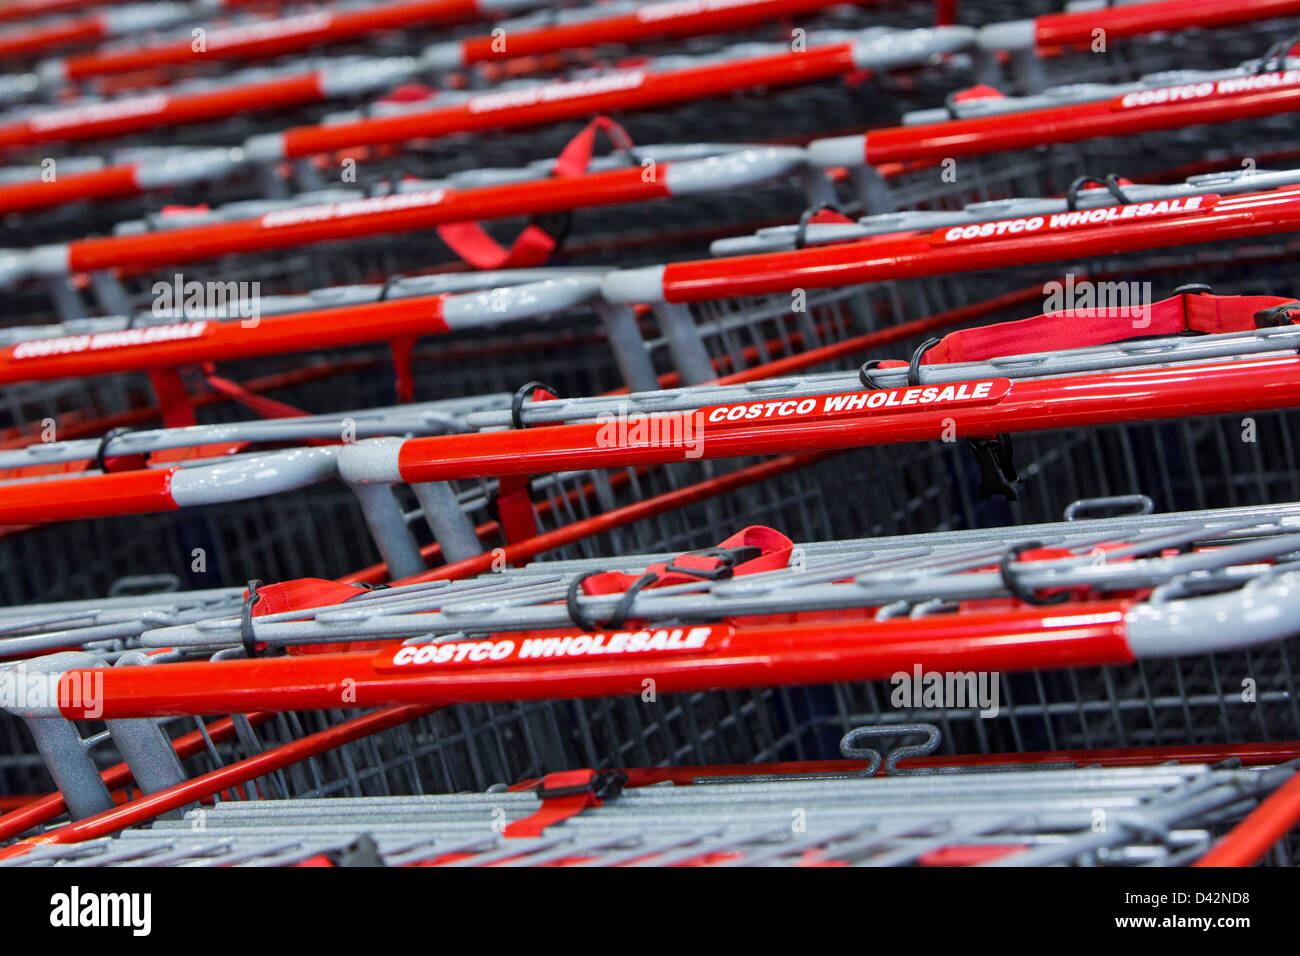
{"x": 1086, "y": 592}
{"x": 1267, "y": 342}
{"x": 650, "y": 524}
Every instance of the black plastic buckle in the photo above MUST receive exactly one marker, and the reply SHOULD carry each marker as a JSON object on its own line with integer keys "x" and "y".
{"x": 1276, "y": 316}
{"x": 728, "y": 558}
{"x": 605, "y": 785}
{"x": 997, "y": 466}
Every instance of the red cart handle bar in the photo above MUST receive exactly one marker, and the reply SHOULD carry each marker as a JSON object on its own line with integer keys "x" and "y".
{"x": 696, "y": 657}
{"x": 35, "y": 9}
{"x": 202, "y": 340}
{"x": 832, "y": 422}
{"x": 532, "y": 105}
{"x": 544, "y": 103}
{"x": 318, "y": 28}
{"x": 989, "y": 245}
{"x": 299, "y": 31}
{"x": 416, "y": 209}
{"x": 1133, "y": 112}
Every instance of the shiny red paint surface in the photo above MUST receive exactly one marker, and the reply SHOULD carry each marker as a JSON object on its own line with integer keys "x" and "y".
{"x": 1029, "y": 405}
{"x": 1058, "y": 29}
{"x": 169, "y": 111}
{"x": 653, "y": 89}
{"x": 106, "y": 183}
{"x": 45, "y": 38}
{"x": 823, "y": 651}
{"x": 333, "y": 28}
{"x": 297, "y": 332}
{"x": 1066, "y": 124}
{"x": 87, "y": 496}
{"x": 915, "y": 255}
{"x": 633, "y": 27}
{"x": 191, "y": 243}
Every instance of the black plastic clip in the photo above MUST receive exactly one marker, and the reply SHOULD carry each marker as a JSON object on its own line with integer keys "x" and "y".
{"x": 1276, "y": 316}
{"x": 1111, "y": 183}
{"x": 997, "y": 466}
{"x": 603, "y": 785}
{"x": 246, "y": 619}
{"x": 103, "y": 446}
{"x": 864, "y": 375}
{"x": 728, "y": 558}
{"x": 801, "y": 232}
{"x": 521, "y": 396}
{"x": 914, "y": 366}
{"x": 1010, "y": 582}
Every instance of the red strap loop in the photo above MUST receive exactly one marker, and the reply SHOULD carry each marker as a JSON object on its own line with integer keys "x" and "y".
{"x": 1078, "y": 328}
{"x": 565, "y": 795}
{"x": 774, "y": 550}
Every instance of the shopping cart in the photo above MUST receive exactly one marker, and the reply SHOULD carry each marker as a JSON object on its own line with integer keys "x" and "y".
{"x": 1007, "y": 817}
{"x": 399, "y": 218}
{"x": 915, "y": 590}
{"x": 534, "y": 515}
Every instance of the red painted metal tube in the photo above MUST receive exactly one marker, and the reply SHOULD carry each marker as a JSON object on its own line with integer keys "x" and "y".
{"x": 1067, "y": 635}
{"x": 87, "y": 496}
{"x": 1068, "y": 124}
{"x": 1028, "y": 405}
{"x": 201, "y": 341}
{"x": 651, "y": 21}
{"x": 556, "y": 102}
{"x": 384, "y": 215}
{"x": 48, "y": 37}
{"x": 35, "y": 9}
{"x": 1063, "y": 29}
{"x": 1247, "y": 842}
{"x": 277, "y": 37}
{"x": 188, "y": 791}
{"x": 154, "y": 110}
{"x": 915, "y": 255}
{"x": 107, "y": 183}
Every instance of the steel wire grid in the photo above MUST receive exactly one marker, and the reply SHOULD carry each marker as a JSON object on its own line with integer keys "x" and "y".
{"x": 804, "y": 112}
{"x": 1153, "y": 816}
{"x": 1186, "y": 464}
{"x": 1188, "y": 700}
{"x": 478, "y": 745}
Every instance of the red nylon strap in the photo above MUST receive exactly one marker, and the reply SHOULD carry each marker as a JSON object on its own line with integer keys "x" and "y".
{"x": 173, "y": 400}
{"x": 301, "y": 593}
{"x": 265, "y": 407}
{"x": 470, "y": 241}
{"x": 403, "y": 350}
{"x": 1077, "y": 328}
{"x": 981, "y": 91}
{"x": 575, "y": 158}
{"x": 304, "y": 593}
{"x": 828, "y": 215}
{"x": 774, "y": 548}
{"x": 534, "y": 245}
{"x": 515, "y": 509}
{"x": 557, "y": 809}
